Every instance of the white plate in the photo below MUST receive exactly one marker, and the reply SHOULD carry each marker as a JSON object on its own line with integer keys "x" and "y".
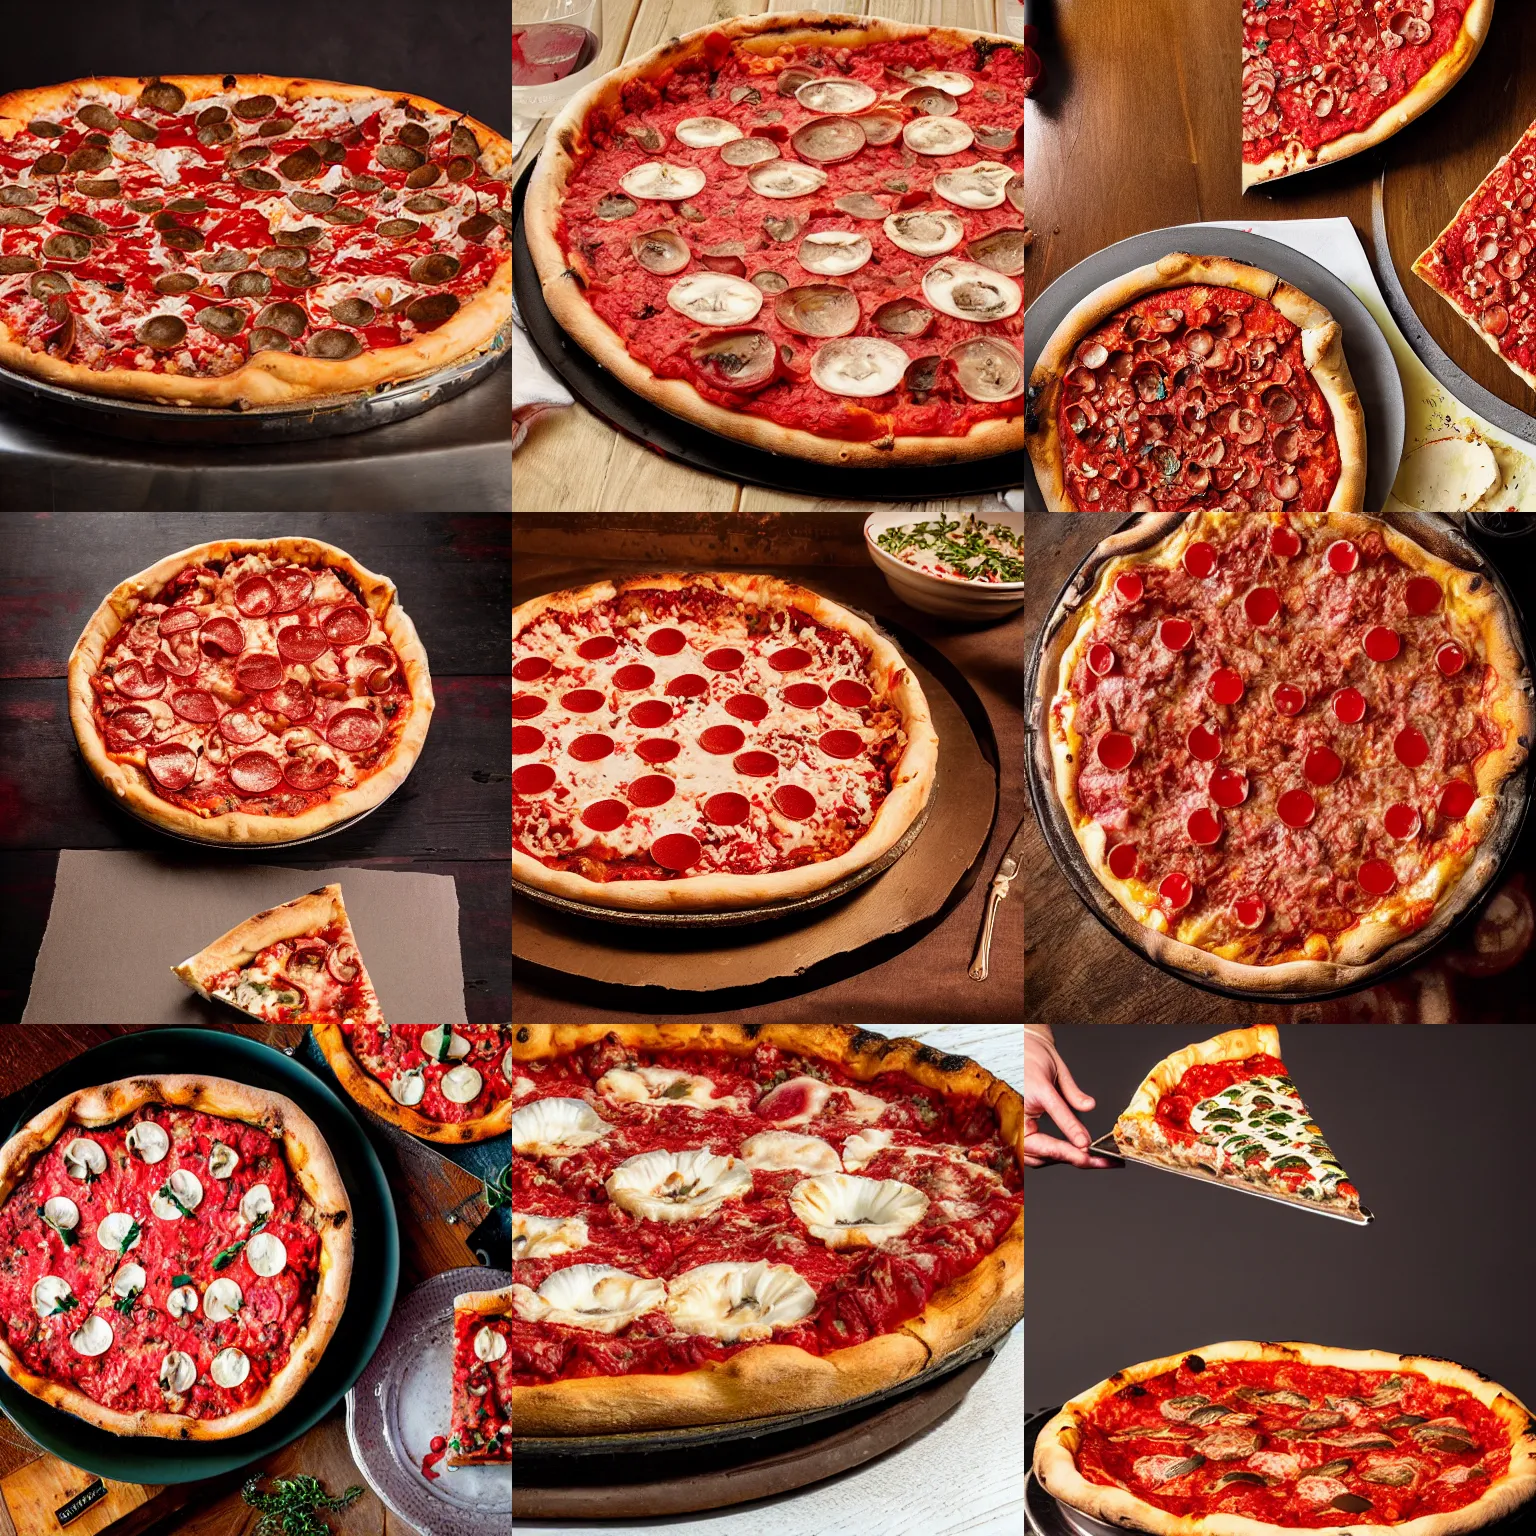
{"x": 947, "y": 597}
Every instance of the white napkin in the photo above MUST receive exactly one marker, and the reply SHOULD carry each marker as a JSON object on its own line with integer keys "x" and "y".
{"x": 535, "y": 389}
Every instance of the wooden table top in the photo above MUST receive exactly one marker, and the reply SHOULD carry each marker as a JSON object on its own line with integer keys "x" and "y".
{"x": 453, "y": 815}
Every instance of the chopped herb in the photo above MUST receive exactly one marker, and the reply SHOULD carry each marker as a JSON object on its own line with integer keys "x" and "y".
{"x": 290, "y": 1508}
{"x": 65, "y": 1304}
{"x": 444, "y": 1042}
{"x": 167, "y": 1193}
{"x": 124, "y": 1304}
{"x": 498, "y": 1188}
{"x": 130, "y": 1237}
{"x": 230, "y": 1254}
{"x": 181, "y": 1280}
{"x": 968, "y": 548}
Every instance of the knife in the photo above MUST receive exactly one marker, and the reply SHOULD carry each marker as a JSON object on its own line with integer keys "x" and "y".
{"x": 1006, "y": 870}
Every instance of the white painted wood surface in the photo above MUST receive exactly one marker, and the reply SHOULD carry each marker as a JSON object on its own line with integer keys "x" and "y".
{"x": 963, "y": 1477}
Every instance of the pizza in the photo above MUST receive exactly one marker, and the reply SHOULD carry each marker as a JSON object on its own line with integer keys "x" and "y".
{"x": 178, "y": 1252}
{"x": 1228, "y": 1107}
{"x": 708, "y": 741}
{"x": 717, "y": 1222}
{"x": 1281, "y": 742}
{"x": 250, "y": 691}
{"x": 1196, "y": 381}
{"x": 1249, "y": 1439}
{"x": 480, "y": 1428}
{"x": 1479, "y": 264}
{"x": 244, "y": 240}
{"x": 802, "y": 232}
{"x": 1032, "y": 72}
{"x": 1322, "y": 82}
{"x": 294, "y": 964}
{"x": 446, "y": 1082}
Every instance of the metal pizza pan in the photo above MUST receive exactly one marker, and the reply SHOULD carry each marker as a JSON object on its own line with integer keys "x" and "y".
{"x": 1435, "y": 533}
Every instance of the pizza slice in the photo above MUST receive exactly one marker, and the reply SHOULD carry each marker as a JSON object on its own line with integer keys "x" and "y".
{"x": 1228, "y": 1106}
{"x": 480, "y": 1430}
{"x": 293, "y": 964}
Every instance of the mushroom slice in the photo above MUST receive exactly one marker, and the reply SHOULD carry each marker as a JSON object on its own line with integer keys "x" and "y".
{"x": 659, "y": 181}
{"x": 988, "y": 368}
{"x": 925, "y": 231}
{"x": 998, "y": 136}
{"x": 677, "y": 1186}
{"x": 1000, "y": 249}
{"x": 715, "y": 298}
{"x": 930, "y": 101}
{"x": 784, "y": 179}
{"x": 861, "y": 367}
{"x": 556, "y": 1127}
{"x": 846, "y": 1211}
{"x": 770, "y": 281}
{"x": 613, "y": 208}
{"x": 834, "y": 253}
{"x": 779, "y": 1151}
{"x": 662, "y": 251}
{"x": 1014, "y": 192}
{"x": 922, "y": 376}
{"x": 880, "y": 127}
{"x": 596, "y": 1297}
{"x": 746, "y": 152}
{"x": 903, "y": 317}
{"x": 950, "y": 81}
{"x": 978, "y": 187}
{"x": 782, "y": 227}
{"x": 836, "y": 95}
{"x": 971, "y": 292}
{"x": 647, "y": 137}
{"x": 938, "y": 135}
{"x": 792, "y": 79}
{"x": 706, "y": 132}
{"x": 547, "y": 1237}
{"x": 818, "y": 309}
{"x": 741, "y": 361}
{"x": 732, "y": 1302}
{"x": 860, "y": 205}
{"x": 829, "y": 140}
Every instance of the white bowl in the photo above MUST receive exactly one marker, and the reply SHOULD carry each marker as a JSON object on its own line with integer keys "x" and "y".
{"x": 948, "y": 597}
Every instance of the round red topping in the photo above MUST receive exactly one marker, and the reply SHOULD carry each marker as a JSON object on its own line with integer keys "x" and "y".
{"x": 656, "y": 749}
{"x": 1349, "y": 706}
{"x": 805, "y": 695}
{"x": 1296, "y": 808}
{"x": 1203, "y": 826}
{"x": 254, "y": 773}
{"x": 178, "y": 656}
{"x": 727, "y": 809}
{"x": 1402, "y": 821}
{"x": 1456, "y": 799}
{"x": 1228, "y": 787}
{"x": 747, "y": 706}
{"x": 1410, "y": 747}
{"x": 1343, "y": 557}
{"x": 597, "y": 648}
{"x": 524, "y": 705}
{"x": 172, "y": 765}
{"x": 1284, "y": 541}
{"x": 792, "y": 658}
{"x": 294, "y": 702}
{"x": 666, "y": 642}
{"x": 1422, "y": 595}
{"x": 1203, "y": 743}
{"x": 724, "y": 658}
{"x": 722, "y": 740}
{"x": 532, "y": 778}
{"x": 582, "y": 701}
{"x": 353, "y": 730}
{"x": 1287, "y": 698}
{"x": 1175, "y": 634}
{"x": 293, "y": 587}
{"x": 1200, "y": 559}
{"x": 849, "y": 694}
{"x": 530, "y": 669}
{"x": 345, "y": 625}
{"x": 1250, "y": 912}
{"x": 1115, "y": 750}
{"x": 1261, "y": 605}
{"x": 652, "y": 790}
{"x": 242, "y": 730}
{"x": 196, "y": 705}
{"x": 1101, "y": 660}
{"x": 258, "y": 673}
{"x": 223, "y": 634}
{"x": 592, "y": 748}
{"x": 255, "y": 597}
{"x": 1129, "y": 587}
{"x": 136, "y": 681}
{"x": 1381, "y": 643}
{"x": 1450, "y": 658}
{"x": 1323, "y": 765}
{"x": 1175, "y": 891}
{"x": 1123, "y": 861}
{"x": 526, "y": 739}
{"x": 755, "y": 765}
{"x": 132, "y": 722}
{"x": 310, "y": 773}
{"x": 795, "y": 803}
{"x": 677, "y": 850}
{"x": 174, "y": 620}
{"x": 650, "y": 714}
{"x": 1377, "y": 877}
{"x": 633, "y": 678}
{"x": 841, "y": 744}
{"x": 1225, "y": 686}
{"x": 605, "y": 815}
{"x": 688, "y": 685}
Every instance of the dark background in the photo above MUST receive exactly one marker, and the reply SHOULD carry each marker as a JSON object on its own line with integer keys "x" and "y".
{"x": 457, "y": 54}
{"x": 453, "y": 814}
{"x": 1434, "y": 1129}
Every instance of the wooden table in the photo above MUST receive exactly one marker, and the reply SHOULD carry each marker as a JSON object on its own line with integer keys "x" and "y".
{"x": 452, "y": 817}
{"x": 574, "y": 461}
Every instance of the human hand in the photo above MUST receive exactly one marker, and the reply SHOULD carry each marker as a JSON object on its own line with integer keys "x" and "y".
{"x": 1050, "y": 1089}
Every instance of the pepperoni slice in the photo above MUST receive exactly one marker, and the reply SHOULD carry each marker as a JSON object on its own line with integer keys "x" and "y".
{"x": 1450, "y": 658}
{"x": 529, "y": 670}
{"x": 727, "y": 809}
{"x": 301, "y": 642}
{"x": 255, "y": 773}
{"x": 656, "y": 749}
{"x": 343, "y": 963}
{"x": 677, "y": 851}
{"x": 172, "y": 765}
{"x": 1175, "y": 634}
{"x": 794, "y": 802}
{"x": 1287, "y": 698}
{"x": 1225, "y": 686}
{"x": 1123, "y": 861}
{"x": 605, "y": 815}
{"x": 256, "y": 597}
{"x": 1381, "y": 643}
{"x": 1115, "y": 750}
{"x": 174, "y": 620}
{"x": 1175, "y": 891}
{"x": 748, "y": 707}
{"x": 582, "y": 701}
{"x": 1203, "y": 743}
{"x": 1203, "y": 826}
{"x": 311, "y": 773}
{"x": 1342, "y": 557}
{"x": 597, "y": 648}
{"x": 1408, "y": 746}
{"x": 1200, "y": 559}
{"x": 178, "y": 656}
{"x": 1456, "y": 799}
{"x": 241, "y": 729}
{"x": 1421, "y": 595}
{"x": 1377, "y": 877}
{"x": 1284, "y": 541}
{"x": 722, "y": 740}
{"x": 592, "y": 748}
{"x": 136, "y": 681}
{"x": 347, "y": 625}
{"x": 688, "y": 685}
{"x": 1349, "y": 706}
{"x": 294, "y": 702}
{"x": 1261, "y": 605}
{"x": 1402, "y": 821}
{"x": 1296, "y": 808}
{"x": 849, "y": 694}
{"x": 259, "y": 672}
{"x": 841, "y": 744}
{"x": 792, "y": 658}
{"x": 526, "y": 740}
{"x": 755, "y": 765}
{"x": 197, "y": 705}
{"x": 1228, "y": 787}
{"x": 1322, "y": 765}
{"x": 353, "y": 730}
{"x": 1250, "y": 912}
{"x": 223, "y": 634}
{"x": 1129, "y": 587}
{"x": 651, "y": 790}
{"x": 724, "y": 658}
{"x": 667, "y": 642}
{"x": 805, "y": 695}
{"x": 650, "y": 714}
{"x": 382, "y": 656}
{"x": 292, "y": 587}
{"x": 633, "y": 678}
{"x": 1101, "y": 660}
{"x": 132, "y": 722}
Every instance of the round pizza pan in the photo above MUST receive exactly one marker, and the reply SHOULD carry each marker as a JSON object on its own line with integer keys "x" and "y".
{"x": 1435, "y": 533}
{"x": 1370, "y": 357}
{"x": 330, "y": 416}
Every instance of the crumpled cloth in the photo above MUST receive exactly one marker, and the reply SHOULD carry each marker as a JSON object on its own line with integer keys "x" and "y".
{"x": 535, "y": 390}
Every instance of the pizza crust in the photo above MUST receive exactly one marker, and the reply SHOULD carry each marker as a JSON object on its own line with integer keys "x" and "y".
{"x": 486, "y": 1304}
{"x": 1055, "y": 1464}
{"x": 313, "y": 1167}
{"x": 911, "y": 780}
{"x": 482, "y": 323}
{"x": 133, "y": 785}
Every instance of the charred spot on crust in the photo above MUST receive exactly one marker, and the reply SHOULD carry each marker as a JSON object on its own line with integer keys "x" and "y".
{"x": 521, "y": 1035}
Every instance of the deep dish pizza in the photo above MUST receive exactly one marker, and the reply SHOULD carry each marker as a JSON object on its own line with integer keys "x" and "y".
{"x": 1322, "y": 82}
{"x": 179, "y": 1250}
{"x": 480, "y": 1426}
{"x": 1229, "y": 1107}
{"x": 708, "y": 741}
{"x": 714, "y": 1222}
{"x": 1481, "y": 264}
{"x": 245, "y": 240}
{"x": 1249, "y": 1439}
{"x": 1283, "y": 741}
{"x": 250, "y": 691}
{"x": 1196, "y": 382}
{"x": 802, "y": 231}
{"x": 446, "y": 1082}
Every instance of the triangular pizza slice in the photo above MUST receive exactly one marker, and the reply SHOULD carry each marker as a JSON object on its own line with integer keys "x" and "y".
{"x": 293, "y": 964}
{"x": 1228, "y": 1106}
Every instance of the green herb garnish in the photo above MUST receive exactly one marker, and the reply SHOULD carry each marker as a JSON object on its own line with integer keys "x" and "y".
{"x": 966, "y": 547}
{"x": 124, "y": 1304}
{"x": 289, "y": 1509}
{"x": 66, "y": 1235}
{"x": 444, "y": 1042}
{"x": 65, "y": 1304}
{"x": 167, "y": 1193}
{"x": 130, "y": 1237}
{"x": 230, "y": 1254}
{"x": 498, "y": 1188}
{"x": 181, "y": 1280}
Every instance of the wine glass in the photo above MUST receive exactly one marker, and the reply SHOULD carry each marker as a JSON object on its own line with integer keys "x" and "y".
{"x": 555, "y": 48}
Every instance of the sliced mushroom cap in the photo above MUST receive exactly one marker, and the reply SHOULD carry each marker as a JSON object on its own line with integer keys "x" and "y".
{"x": 659, "y": 181}
{"x": 925, "y": 231}
{"x": 1014, "y": 192}
{"x": 706, "y": 132}
{"x": 662, "y": 251}
{"x": 715, "y": 298}
{"x": 922, "y": 375}
{"x": 860, "y": 367}
{"x": 998, "y": 136}
{"x": 648, "y": 138}
{"x": 818, "y": 309}
{"x": 785, "y": 179}
{"x": 971, "y": 292}
{"x": 860, "y": 205}
{"x": 836, "y": 95}
{"x": 929, "y": 101}
{"x": 749, "y": 152}
{"x": 881, "y": 127}
{"x": 1000, "y": 249}
{"x": 741, "y": 361}
{"x": 988, "y": 368}
{"x": 829, "y": 140}
{"x": 904, "y": 317}
{"x": 950, "y": 81}
{"x": 978, "y": 187}
{"x": 782, "y": 227}
{"x": 834, "y": 253}
{"x": 770, "y": 281}
{"x": 938, "y": 136}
